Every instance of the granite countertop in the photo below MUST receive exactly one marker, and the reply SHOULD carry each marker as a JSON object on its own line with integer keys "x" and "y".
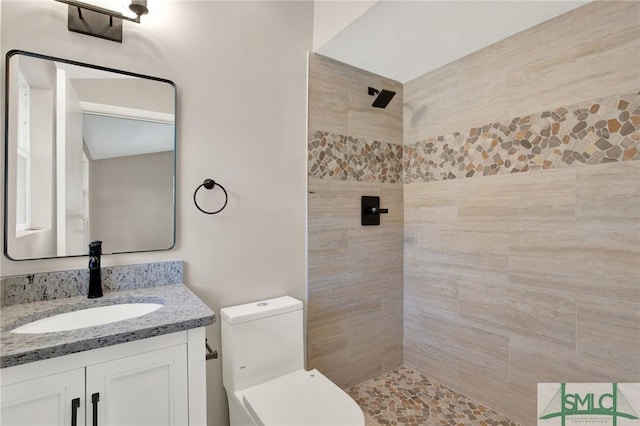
{"x": 182, "y": 310}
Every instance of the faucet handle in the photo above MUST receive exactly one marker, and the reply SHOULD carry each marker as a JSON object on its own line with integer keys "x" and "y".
{"x": 95, "y": 248}
{"x": 95, "y": 282}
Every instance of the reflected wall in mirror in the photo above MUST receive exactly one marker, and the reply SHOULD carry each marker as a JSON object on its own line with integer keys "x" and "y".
{"x": 89, "y": 155}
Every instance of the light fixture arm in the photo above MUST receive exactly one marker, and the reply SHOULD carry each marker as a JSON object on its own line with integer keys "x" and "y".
{"x": 97, "y": 9}
{"x": 96, "y": 21}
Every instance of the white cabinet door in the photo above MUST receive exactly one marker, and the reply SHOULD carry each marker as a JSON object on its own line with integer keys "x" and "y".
{"x": 146, "y": 389}
{"x": 57, "y": 399}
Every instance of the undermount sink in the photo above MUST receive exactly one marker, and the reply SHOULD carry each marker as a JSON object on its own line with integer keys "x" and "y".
{"x": 89, "y": 317}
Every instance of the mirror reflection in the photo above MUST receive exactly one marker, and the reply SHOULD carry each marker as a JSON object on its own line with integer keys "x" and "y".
{"x": 90, "y": 155}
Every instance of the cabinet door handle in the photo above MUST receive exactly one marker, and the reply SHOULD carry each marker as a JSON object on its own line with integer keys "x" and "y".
{"x": 94, "y": 401}
{"x": 75, "y": 404}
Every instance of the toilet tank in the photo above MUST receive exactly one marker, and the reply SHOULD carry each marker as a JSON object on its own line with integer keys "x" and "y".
{"x": 261, "y": 341}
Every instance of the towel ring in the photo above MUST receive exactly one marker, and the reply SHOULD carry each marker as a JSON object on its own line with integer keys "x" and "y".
{"x": 209, "y": 184}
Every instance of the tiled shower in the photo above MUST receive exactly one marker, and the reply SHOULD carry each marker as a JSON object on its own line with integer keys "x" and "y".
{"x": 511, "y": 251}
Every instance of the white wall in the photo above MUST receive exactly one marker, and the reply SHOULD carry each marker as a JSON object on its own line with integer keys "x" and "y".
{"x": 331, "y": 17}
{"x": 137, "y": 93}
{"x": 42, "y": 157}
{"x": 241, "y": 72}
{"x": 130, "y": 201}
{"x": 70, "y": 228}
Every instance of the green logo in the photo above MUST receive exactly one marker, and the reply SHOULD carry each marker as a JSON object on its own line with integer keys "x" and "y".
{"x": 566, "y": 404}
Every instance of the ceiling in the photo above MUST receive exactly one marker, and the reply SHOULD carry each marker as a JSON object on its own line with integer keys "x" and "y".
{"x": 111, "y": 131}
{"x": 403, "y": 40}
{"x": 109, "y": 137}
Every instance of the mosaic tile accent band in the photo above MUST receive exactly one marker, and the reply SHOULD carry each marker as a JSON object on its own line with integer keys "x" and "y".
{"x": 593, "y": 132}
{"x": 339, "y": 157}
{"x": 405, "y": 397}
{"x": 30, "y": 288}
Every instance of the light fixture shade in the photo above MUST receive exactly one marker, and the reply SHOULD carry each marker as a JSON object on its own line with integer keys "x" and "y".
{"x": 139, "y": 7}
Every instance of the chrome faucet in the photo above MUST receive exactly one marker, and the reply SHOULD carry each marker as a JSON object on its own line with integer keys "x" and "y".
{"x": 95, "y": 283}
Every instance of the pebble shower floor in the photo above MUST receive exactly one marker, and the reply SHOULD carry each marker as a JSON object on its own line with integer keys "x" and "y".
{"x": 406, "y": 397}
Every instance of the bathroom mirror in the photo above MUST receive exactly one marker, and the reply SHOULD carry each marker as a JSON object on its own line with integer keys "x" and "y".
{"x": 89, "y": 155}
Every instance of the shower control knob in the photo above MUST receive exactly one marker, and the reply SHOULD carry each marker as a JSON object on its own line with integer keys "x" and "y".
{"x": 370, "y": 210}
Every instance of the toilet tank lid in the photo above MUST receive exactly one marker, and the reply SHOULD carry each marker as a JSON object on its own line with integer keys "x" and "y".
{"x": 261, "y": 309}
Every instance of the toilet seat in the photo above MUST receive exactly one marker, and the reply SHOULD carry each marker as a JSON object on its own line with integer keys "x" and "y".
{"x": 301, "y": 398}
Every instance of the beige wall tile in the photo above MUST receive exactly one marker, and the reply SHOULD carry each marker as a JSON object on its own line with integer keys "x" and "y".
{"x": 329, "y": 83}
{"x": 549, "y": 318}
{"x": 570, "y": 70}
{"x": 483, "y": 93}
{"x": 381, "y": 124}
{"x": 578, "y": 263}
{"x": 335, "y": 366}
{"x": 372, "y": 344}
{"x": 532, "y": 363}
{"x": 588, "y": 53}
{"x": 432, "y": 104}
{"x": 464, "y": 266}
{"x": 360, "y": 320}
{"x": 609, "y": 333}
{"x": 392, "y": 198}
{"x": 525, "y": 267}
{"x": 464, "y": 241}
{"x": 345, "y": 304}
{"x": 490, "y": 354}
{"x": 431, "y": 194}
{"x": 486, "y": 303}
{"x": 336, "y": 203}
{"x": 339, "y": 102}
{"x": 410, "y": 247}
{"x": 427, "y": 291}
{"x": 602, "y": 187}
{"x": 524, "y": 202}
{"x": 375, "y": 248}
{"x": 439, "y": 348}
{"x": 435, "y": 215}
{"x": 355, "y": 282}
{"x": 324, "y": 284}
{"x": 515, "y": 261}
{"x": 488, "y": 284}
{"x": 326, "y": 339}
{"x": 328, "y": 248}
{"x": 430, "y": 204}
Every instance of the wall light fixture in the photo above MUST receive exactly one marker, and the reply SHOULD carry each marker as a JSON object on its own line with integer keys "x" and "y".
{"x": 100, "y": 22}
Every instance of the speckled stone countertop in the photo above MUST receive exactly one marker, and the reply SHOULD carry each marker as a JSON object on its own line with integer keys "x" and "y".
{"x": 182, "y": 310}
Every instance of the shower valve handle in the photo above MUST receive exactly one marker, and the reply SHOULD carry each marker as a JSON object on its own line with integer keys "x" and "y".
{"x": 370, "y": 210}
{"x": 376, "y": 210}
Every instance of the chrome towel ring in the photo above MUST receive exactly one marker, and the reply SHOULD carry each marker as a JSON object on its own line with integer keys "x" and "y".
{"x": 209, "y": 184}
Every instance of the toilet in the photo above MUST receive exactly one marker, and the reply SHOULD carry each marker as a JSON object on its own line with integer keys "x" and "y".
{"x": 263, "y": 370}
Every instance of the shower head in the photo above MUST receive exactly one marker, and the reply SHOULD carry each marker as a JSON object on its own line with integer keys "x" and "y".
{"x": 383, "y": 99}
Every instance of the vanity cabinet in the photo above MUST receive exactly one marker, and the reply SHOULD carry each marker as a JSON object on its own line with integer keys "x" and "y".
{"x": 145, "y": 389}
{"x": 155, "y": 381}
{"x": 43, "y": 401}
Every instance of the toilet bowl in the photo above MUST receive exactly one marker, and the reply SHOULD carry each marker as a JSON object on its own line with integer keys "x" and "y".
{"x": 263, "y": 370}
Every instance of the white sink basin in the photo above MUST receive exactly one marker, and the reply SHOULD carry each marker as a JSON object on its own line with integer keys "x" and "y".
{"x": 87, "y": 318}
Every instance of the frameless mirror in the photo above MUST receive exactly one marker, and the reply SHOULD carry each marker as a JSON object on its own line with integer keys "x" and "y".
{"x": 89, "y": 155}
